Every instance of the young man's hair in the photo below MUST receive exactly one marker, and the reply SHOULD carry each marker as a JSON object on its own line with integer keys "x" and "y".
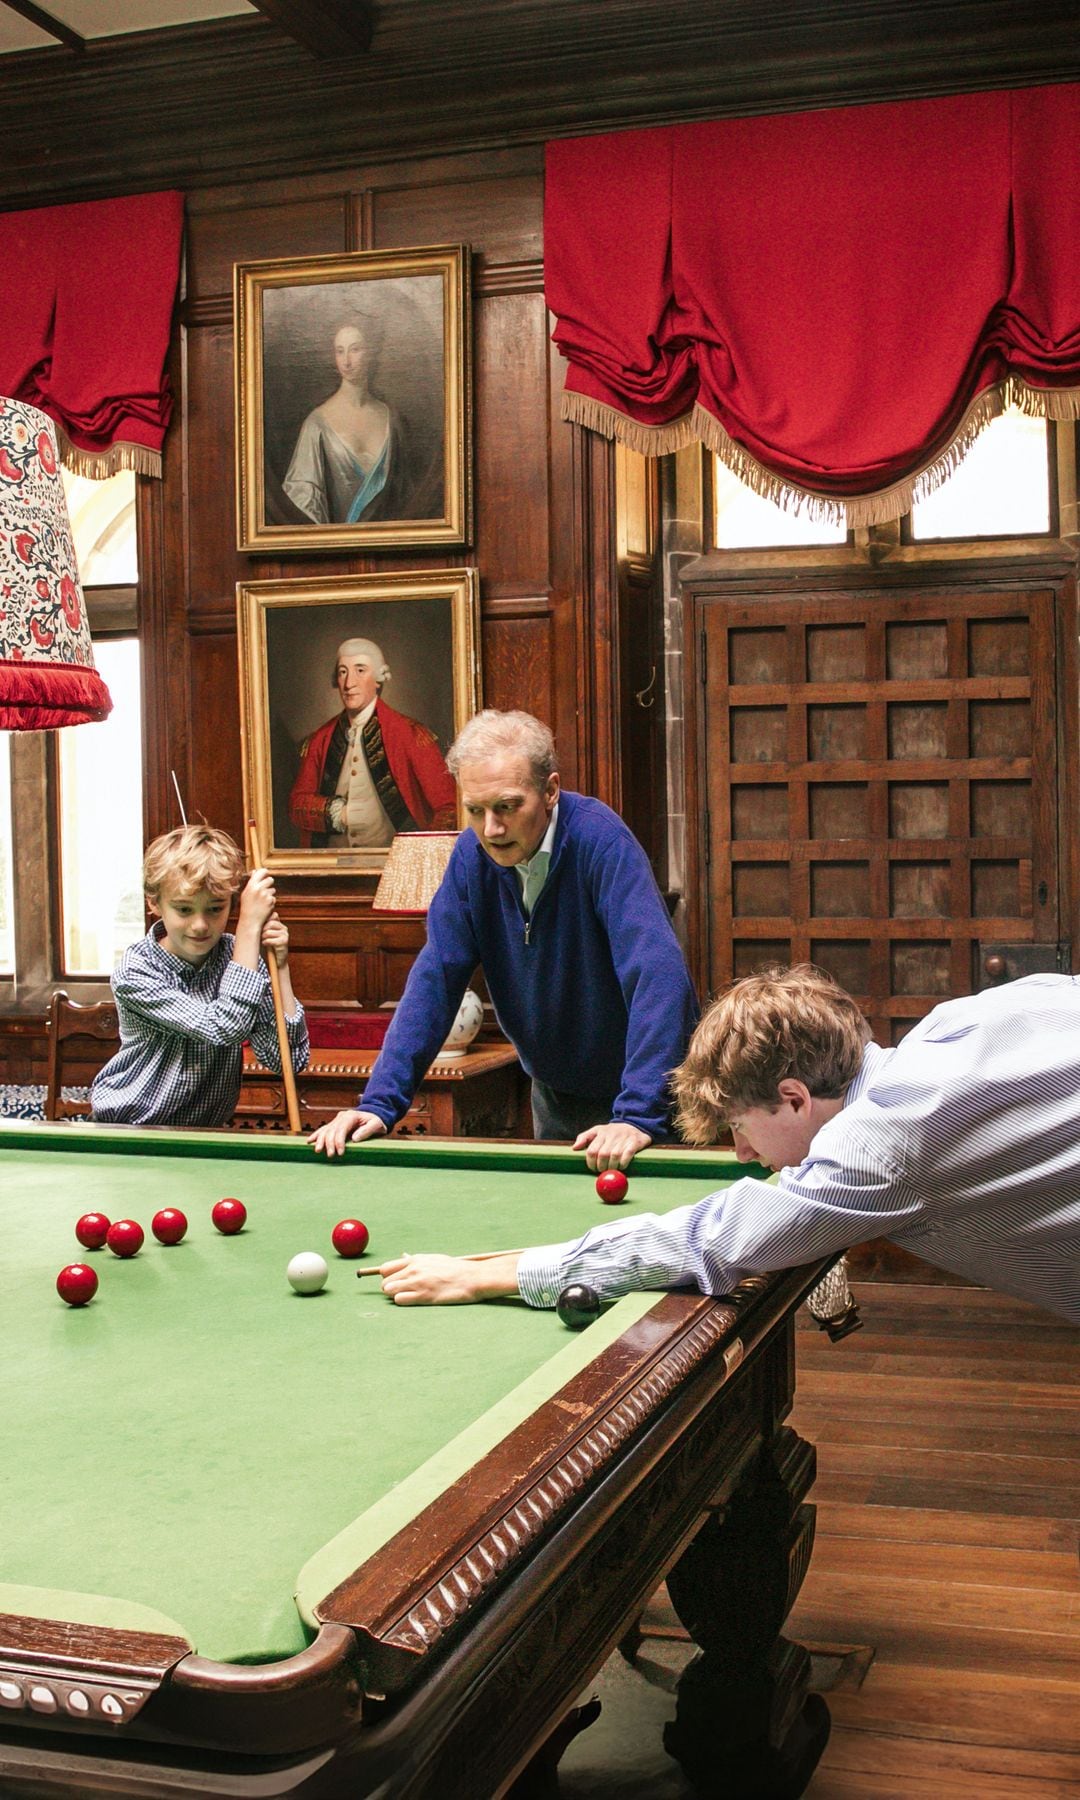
{"x": 795, "y": 1022}
{"x": 492, "y": 733}
{"x": 191, "y": 858}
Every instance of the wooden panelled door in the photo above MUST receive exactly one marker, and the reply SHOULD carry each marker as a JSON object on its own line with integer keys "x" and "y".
{"x": 884, "y": 779}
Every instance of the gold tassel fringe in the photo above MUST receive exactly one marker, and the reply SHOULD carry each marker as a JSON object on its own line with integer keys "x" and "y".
{"x": 878, "y": 508}
{"x": 98, "y": 465}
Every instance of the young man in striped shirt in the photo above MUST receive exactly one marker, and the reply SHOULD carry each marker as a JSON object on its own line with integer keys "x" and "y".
{"x": 962, "y": 1143}
{"x": 190, "y": 993}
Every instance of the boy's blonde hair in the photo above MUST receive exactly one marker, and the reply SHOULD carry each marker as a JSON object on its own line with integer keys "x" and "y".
{"x": 191, "y": 858}
{"x": 794, "y": 1022}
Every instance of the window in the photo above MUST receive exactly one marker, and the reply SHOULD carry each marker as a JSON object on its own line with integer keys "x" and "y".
{"x": 747, "y": 521}
{"x": 101, "y": 822}
{"x": 102, "y": 515}
{"x": 72, "y": 800}
{"x": 99, "y": 767}
{"x": 1002, "y": 488}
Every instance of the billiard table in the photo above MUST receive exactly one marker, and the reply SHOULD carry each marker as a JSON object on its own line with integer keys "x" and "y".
{"x": 254, "y": 1543}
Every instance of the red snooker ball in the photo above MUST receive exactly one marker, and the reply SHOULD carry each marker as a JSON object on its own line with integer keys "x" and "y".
{"x": 168, "y": 1225}
{"x": 77, "y": 1284}
{"x": 125, "y": 1238}
{"x": 229, "y": 1216}
{"x": 349, "y": 1237}
{"x": 91, "y": 1231}
{"x": 611, "y": 1185}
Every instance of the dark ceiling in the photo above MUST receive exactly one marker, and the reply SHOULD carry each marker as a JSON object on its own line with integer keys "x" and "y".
{"x": 244, "y": 98}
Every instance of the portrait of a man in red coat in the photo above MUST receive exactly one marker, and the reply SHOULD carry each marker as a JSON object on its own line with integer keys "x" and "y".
{"x": 369, "y": 772}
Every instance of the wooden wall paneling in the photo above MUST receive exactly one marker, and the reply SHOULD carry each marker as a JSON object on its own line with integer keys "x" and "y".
{"x": 569, "y": 705}
{"x": 511, "y": 430}
{"x": 161, "y": 537}
{"x": 518, "y": 661}
{"x": 1068, "y": 752}
{"x": 696, "y": 800}
{"x": 640, "y": 627}
{"x": 502, "y": 210}
{"x": 242, "y": 231}
{"x": 584, "y": 566}
{"x": 599, "y": 637}
{"x": 212, "y": 564}
{"x": 216, "y": 789}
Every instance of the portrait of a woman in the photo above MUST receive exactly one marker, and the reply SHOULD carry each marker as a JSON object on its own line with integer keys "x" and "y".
{"x": 357, "y": 457}
{"x": 354, "y": 400}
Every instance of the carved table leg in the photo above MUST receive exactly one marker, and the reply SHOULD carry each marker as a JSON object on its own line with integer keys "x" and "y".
{"x": 746, "y": 1727}
{"x": 539, "y": 1780}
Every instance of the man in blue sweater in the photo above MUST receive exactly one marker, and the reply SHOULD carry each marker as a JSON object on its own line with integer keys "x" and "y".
{"x": 555, "y": 898}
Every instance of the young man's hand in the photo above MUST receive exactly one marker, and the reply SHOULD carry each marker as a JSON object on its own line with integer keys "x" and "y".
{"x": 612, "y": 1146}
{"x": 348, "y": 1127}
{"x": 449, "y": 1280}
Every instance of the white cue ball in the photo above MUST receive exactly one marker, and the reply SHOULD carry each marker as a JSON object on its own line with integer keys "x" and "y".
{"x": 307, "y": 1272}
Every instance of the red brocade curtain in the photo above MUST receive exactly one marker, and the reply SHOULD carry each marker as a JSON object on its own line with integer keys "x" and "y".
{"x": 835, "y": 302}
{"x": 86, "y": 299}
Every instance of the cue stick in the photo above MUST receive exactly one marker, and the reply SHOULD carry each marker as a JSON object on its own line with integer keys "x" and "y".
{"x": 291, "y": 1101}
{"x": 179, "y": 801}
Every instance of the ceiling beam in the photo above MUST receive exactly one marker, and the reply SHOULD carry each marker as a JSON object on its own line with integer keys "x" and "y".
{"x": 36, "y": 15}
{"x": 328, "y": 28}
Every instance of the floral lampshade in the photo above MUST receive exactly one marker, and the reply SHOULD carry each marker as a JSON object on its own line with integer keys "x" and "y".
{"x": 47, "y": 673}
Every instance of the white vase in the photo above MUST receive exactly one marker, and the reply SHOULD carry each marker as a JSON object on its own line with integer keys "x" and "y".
{"x": 470, "y": 1017}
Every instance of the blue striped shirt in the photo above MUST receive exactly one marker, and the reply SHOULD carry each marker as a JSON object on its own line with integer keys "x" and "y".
{"x": 182, "y": 1032}
{"x": 962, "y": 1144}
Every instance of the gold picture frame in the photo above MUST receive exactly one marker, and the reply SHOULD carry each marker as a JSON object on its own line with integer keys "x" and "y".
{"x": 354, "y": 400}
{"x": 325, "y": 801}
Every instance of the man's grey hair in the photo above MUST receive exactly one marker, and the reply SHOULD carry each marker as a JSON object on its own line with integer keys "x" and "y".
{"x": 493, "y": 733}
{"x": 362, "y": 647}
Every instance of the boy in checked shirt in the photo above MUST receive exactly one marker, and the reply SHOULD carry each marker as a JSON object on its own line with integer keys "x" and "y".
{"x": 189, "y": 994}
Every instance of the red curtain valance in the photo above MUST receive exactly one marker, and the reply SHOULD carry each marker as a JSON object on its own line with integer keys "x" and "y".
{"x": 835, "y": 302}
{"x": 86, "y": 299}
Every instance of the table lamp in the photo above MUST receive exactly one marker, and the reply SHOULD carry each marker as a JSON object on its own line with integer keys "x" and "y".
{"x": 415, "y": 865}
{"x": 47, "y": 673}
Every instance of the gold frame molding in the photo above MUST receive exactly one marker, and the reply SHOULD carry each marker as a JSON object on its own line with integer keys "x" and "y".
{"x": 255, "y": 600}
{"x": 449, "y": 264}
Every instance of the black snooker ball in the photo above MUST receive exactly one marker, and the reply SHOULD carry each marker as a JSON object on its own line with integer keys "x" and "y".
{"x": 578, "y": 1305}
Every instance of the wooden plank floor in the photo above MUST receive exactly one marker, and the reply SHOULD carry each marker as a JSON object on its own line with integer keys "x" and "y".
{"x": 948, "y": 1495}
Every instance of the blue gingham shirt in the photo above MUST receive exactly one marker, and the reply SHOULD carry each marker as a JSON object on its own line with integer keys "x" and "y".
{"x": 962, "y": 1144}
{"x": 182, "y": 1032}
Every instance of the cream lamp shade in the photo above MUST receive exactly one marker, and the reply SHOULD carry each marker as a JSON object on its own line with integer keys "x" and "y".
{"x": 47, "y": 673}
{"x": 415, "y": 865}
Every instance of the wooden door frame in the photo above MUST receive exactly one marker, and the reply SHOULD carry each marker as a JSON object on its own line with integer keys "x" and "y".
{"x": 712, "y": 578}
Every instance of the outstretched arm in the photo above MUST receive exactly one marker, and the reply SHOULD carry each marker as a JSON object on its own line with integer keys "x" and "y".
{"x": 749, "y": 1228}
{"x": 449, "y": 1280}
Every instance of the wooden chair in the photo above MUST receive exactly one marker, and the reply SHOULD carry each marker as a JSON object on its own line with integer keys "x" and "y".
{"x": 97, "y": 1026}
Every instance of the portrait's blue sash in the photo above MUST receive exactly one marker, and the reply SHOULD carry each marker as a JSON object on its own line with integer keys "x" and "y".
{"x": 374, "y": 483}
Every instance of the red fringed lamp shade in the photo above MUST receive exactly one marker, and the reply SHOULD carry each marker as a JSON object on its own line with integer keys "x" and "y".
{"x": 47, "y": 673}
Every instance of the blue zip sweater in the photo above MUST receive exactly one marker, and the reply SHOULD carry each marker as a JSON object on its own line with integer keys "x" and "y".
{"x": 592, "y": 991}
